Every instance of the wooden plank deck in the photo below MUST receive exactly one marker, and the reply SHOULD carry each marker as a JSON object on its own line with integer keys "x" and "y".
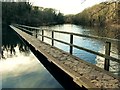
{"x": 83, "y": 73}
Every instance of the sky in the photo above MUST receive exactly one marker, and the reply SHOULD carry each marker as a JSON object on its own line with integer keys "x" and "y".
{"x": 66, "y": 6}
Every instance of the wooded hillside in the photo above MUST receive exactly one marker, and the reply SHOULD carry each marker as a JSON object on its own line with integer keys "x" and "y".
{"x": 105, "y": 13}
{"x": 101, "y": 14}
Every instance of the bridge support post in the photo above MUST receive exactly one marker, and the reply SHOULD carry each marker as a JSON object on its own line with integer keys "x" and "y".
{"x": 107, "y": 52}
{"x": 42, "y": 35}
{"x": 52, "y": 38}
{"x": 36, "y": 33}
{"x": 71, "y": 42}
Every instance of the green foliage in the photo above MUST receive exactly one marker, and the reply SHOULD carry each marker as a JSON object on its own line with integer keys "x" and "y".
{"x": 100, "y": 14}
{"x": 81, "y": 18}
{"x": 25, "y": 13}
{"x": 14, "y": 12}
{"x": 60, "y": 18}
{"x": 69, "y": 18}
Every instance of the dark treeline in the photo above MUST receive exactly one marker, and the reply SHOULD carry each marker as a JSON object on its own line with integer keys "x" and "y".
{"x": 25, "y": 13}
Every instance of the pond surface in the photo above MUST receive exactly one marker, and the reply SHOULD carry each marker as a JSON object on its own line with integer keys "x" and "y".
{"x": 19, "y": 67}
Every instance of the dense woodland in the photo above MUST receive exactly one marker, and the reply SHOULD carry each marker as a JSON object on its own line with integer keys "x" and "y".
{"x": 105, "y": 13}
{"x": 24, "y": 13}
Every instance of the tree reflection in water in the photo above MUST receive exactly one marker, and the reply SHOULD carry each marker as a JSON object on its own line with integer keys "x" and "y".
{"x": 19, "y": 67}
{"x": 9, "y": 51}
{"x": 12, "y": 44}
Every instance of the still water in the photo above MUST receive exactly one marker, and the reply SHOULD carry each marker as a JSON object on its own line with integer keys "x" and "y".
{"x": 92, "y": 44}
{"x": 20, "y": 68}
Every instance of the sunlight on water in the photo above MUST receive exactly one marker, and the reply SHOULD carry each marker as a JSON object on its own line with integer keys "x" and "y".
{"x": 92, "y": 44}
{"x": 21, "y": 69}
{"x": 11, "y": 62}
{"x": 114, "y": 66}
{"x": 24, "y": 71}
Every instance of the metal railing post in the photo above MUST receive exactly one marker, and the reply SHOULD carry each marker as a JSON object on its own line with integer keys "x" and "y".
{"x": 107, "y": 52}
{"x": 42, "y": 35}
{"x": 52, "y": 38}
{"x": 71, "y": 42}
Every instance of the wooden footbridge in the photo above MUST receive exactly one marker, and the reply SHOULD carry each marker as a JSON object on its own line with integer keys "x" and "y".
{"x": 69, "y": 70}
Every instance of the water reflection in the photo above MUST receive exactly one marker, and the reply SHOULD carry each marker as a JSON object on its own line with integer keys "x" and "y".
{"x": 20, "y": 71}
{"x": 114, "y": 66}
{"x": 20, "y": 68}
{"x": 10, "y": 50}
{"x": 93, "y": 44}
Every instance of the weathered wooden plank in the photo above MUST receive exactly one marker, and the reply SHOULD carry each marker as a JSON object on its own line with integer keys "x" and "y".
{"x": 107, "y": 52}
{"x": 85, "y": 49}
{"x": 53, "y": 38}
{"x": 71, "y": 42}
{"x": 82, "y": 48}
{"x": 83, "y": 73}
{"x": 81, "y": 35}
